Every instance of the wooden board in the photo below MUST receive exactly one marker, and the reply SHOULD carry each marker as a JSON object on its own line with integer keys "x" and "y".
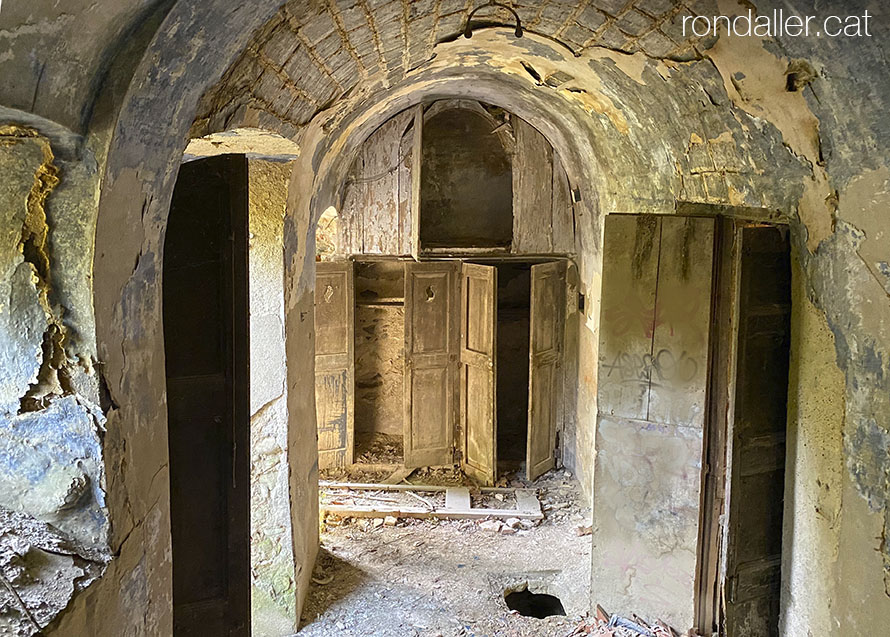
{"x": 563, "y": 210}
{"x": 430, "y": 360}
{"x": 376, "y": 486}
{"x": 532, "y": 190}
{"x": 678, "y": 367}
{"x": 334, "y": 363}
{"x": 378, "y": 193}
{"x": 421, "y": 512}
{"x": 409, "y": 192}
{"x": 630, "y": 266}
{"x": 545, "y": 348}
{"x": 458, "y": 504}
{"x": 478, "y": 345}
{"x": 416, "y": 164}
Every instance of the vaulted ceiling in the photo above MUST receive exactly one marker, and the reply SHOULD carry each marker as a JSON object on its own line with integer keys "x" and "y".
{"x": 314, "y": 52}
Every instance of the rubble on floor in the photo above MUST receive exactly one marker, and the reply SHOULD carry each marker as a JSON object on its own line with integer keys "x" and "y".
{"x": 397, "y": 577}
{"x": 378, "y": 448}
{"x": 604, "y": 625}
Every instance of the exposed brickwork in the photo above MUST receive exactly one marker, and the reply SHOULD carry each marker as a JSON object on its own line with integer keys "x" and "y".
{"x": 313, "y": 53}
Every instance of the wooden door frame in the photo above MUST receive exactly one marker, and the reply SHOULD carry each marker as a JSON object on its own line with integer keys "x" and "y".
{"x": 239, "y": 516}
{"x": 717, "y": 458}
{"x": 717, "y": 443}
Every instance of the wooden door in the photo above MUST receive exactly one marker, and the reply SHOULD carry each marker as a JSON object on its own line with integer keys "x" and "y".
{"x": 478, "y": 347}
{"x": 430, "y": 361}
{"x": 206, "y": 352}
{"x": 758, "y": 448}
{"x": 544, "y": 368}
{"x": 334, "y": 363}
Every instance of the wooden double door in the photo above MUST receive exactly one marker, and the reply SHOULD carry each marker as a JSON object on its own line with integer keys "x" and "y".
{"x": 450, "y": 388}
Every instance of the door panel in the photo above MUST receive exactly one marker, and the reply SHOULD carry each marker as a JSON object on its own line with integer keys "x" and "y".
{"x": 678, "y": 365}
{"x": 545, "y": 349}
{"x": 206, "y": 346}
{"x": 334, "y": 363}
{"x": 478, "y": 418}
{"x": 630, "y": 273}
{"x": 430, "y": 358}
{"x": 758, "y": 463}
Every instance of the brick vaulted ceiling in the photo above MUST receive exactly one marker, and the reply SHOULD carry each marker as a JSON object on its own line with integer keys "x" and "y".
{"x": 315, "y": 52}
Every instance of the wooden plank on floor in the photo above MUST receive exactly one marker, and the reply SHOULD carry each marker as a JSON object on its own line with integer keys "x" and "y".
{"x": 527, "y": 502}
{"x": 458, "y": 499}
{"x": 369, "y": 486}
{"x": 417, "y": 512}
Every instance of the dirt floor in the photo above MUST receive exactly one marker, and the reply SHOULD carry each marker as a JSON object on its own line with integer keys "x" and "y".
{"x": 448, "y": 578}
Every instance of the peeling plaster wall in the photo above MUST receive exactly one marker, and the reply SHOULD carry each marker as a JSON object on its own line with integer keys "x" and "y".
{"x": 273, "y": 594}
{"x": 299, "y": 325}
{"x": 53, "y": 515}
{"x": 814, "y": 478}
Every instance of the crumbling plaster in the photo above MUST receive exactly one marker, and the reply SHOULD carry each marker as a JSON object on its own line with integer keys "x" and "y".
{"x": 661, "y": 126}
{"x": 273, "y": 586}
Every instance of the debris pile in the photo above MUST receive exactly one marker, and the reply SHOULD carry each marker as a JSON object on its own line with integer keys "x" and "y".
{"x": 604, "y": 625}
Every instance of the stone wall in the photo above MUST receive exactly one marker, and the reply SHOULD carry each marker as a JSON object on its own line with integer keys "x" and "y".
{"x": 273, "y": 592}
{"x": 379, "y": 347}
{"x": 54, "y": 523}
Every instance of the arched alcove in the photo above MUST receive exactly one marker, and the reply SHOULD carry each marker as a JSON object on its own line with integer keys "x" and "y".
{"x": 466, "y": 185}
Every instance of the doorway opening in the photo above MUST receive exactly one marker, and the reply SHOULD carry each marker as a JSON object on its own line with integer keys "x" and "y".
{"x": 514, "y": 314}
{"x": 466, "y": 189}
{"x": 379, "y": 363}
{"x": 758, "y": 424}
{"x": 440, "y": 353}
{"x": 441, "y": 306}
{"x": 205, "y": 320}
{"x": 694, "y": 351}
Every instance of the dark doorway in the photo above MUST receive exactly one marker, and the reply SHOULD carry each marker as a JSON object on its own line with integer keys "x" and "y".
{"x": 206, "y": 346}
{"x": 758, "y": 441}
{"x": 514, "y": 307}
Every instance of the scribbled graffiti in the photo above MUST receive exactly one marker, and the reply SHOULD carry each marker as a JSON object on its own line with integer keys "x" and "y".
{"x": 661, "y": 369}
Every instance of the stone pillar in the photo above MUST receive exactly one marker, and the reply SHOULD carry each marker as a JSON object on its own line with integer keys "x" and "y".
{"x": 274, "y": 590}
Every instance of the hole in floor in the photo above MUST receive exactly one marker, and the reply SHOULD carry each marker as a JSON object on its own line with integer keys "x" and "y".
{"x": 530, "y": 604}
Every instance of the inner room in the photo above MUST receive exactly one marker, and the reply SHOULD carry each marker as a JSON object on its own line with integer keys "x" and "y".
{"x": 442, "y": 295}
